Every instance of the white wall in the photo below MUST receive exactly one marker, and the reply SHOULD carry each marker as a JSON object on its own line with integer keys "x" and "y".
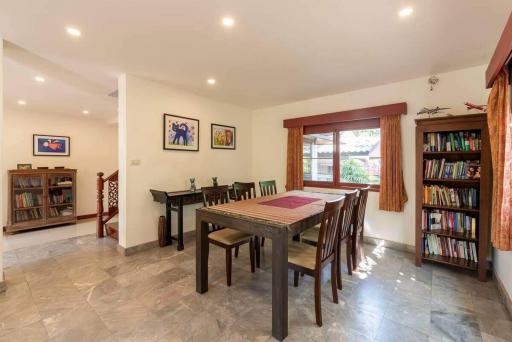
{"x": 1, "y": 154}
{"x": 503, "y": 269}
{"x": 141, "y": 107}
{"x": 454, "y": 88}
{"x": 93, "y": 149}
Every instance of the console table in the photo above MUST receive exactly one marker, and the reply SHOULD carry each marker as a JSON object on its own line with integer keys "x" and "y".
{"x": 174, "y": 201}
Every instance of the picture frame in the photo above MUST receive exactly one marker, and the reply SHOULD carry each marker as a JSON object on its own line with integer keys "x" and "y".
{"x": 51, "y": 145}
{"x": 223, "y": 137}
{"x": 180, "y": 133}
{"x": 24, "y": 167}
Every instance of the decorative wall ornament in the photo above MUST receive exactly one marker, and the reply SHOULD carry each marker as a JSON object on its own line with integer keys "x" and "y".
{"x": 433, "y": 80}
{"x": 432, "y": 111}
{"x": 223, "y": 137}
{"x": 51, "y": 145}
{"x": 181, "y": 133}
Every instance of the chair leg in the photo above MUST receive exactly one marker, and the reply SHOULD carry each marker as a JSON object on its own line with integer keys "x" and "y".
{"x": 262, "y": 241}
{"x": 318, "y": 298}
{"x": 349, "y": 256}
{"x": 251, "y": 254}
{"x": 338, "y": 266}
{"x": 355, "y": 252}
{"x": 257, "y": 250}
{"x": 295, "y": 278}
{"x": 236, "y": 251}
{"x": 228, "y": 266}
{"x": 333, "y": 282}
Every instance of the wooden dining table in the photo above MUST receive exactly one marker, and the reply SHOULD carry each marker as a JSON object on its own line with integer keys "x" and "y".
{"x": 276, "y": 217}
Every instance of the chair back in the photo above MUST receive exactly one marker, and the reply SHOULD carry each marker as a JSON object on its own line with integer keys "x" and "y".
{"x": 327, "y": 238}
{"x": 215, "y": 195}
{"x": 268, "y": 188}
{"x": 360, "y": 209}
{"x": 346, "y": 215}
{"x": 244, "y": 191}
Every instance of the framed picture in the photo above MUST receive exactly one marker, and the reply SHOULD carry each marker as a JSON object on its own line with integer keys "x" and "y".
{"x": 24, "y": 167}
{"x": 181, "y": 133}
{"x": 223, "y": 137}
{"x": 51, "y": 145}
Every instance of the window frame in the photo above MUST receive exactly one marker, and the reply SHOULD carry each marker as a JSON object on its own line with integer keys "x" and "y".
{"x": 336, "y": 129}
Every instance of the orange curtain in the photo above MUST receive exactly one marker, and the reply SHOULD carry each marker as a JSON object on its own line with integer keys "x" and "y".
{"x": 500, "y": 132}
{"x": 294, "y": 172}
{"x": 392, "y": 196}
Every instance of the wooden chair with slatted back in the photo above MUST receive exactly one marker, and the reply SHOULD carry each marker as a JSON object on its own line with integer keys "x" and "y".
{"x": 358, "y": 226}
{"x": 345, "y": 232}
{"x": 306, "y": 259}
{"x": 244, "y": 191}
{"x": 267, "y": 188}
{"x": 227, "y": 238}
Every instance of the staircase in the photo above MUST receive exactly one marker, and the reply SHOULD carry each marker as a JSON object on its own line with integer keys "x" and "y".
{"x": 102, "y": 217}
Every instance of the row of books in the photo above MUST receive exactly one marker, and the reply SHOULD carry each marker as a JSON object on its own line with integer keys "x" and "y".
{"x": 453, "y": 141}
{"x": 27, "y": 182}
{"x": 450, "y": 197}
{"x": 449, "y": 221}
{"x": 28, "y": 199}
{"x": 449, "y": 247}
{"x": 58, "y": 211}
{"x": 60, "y": 197}
{"x": 442, "y": 169}
{"x": 26, "y": 215}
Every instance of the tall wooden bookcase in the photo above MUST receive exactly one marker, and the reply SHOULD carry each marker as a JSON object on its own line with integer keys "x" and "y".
{"x": 454, "y": 124}
{"x": 41, "y": 198}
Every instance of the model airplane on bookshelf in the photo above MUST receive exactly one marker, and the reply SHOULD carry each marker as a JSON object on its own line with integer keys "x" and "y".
{"x": 432, "y": 111}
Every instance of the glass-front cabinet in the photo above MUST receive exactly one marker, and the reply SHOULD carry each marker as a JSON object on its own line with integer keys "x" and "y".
{"x": 40, "y": 198}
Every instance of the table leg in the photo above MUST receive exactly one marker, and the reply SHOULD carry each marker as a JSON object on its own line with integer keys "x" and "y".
{"x": 168, "y": 223}
{"x": 202, "y": 251}
{"x": 280, "y": 286}
{"x": 180, "y": 224}
{"x": 257, "y": 250}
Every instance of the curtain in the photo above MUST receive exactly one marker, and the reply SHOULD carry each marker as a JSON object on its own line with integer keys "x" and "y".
{"x": 392, "y": 196}
{"x": 294, "y": 172}
{"x": 500, "y": 132}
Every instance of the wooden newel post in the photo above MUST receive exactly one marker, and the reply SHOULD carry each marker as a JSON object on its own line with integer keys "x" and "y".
{"x": 99, "y": 206}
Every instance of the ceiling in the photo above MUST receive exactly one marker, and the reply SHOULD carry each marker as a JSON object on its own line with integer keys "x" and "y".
{"x": 277, "y": 52}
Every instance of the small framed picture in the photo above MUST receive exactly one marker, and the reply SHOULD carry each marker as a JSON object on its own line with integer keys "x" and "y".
{"x": 181, "y": 133}
{"x": 51, "y": 145}
{"x": 223, "y": 137}
{"x": 24, "y": 166}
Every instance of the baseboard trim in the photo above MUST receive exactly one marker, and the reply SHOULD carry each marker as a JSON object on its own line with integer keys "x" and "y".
{"x": 88, "y": 216}
{"x": 505, "y": 296}
{"x": 136, "y": 249}
{"x": 390, "y": 244}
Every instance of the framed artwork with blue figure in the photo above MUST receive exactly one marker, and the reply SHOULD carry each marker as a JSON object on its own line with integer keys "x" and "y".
{"x": 51, "y": 145}
{"x": 181, "y": 133}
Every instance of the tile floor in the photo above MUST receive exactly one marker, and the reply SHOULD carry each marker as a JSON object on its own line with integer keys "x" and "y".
{"x": 81, "y": 289}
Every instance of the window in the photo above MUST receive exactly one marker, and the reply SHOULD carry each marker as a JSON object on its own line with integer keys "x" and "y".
{"x": 347, "y": 156}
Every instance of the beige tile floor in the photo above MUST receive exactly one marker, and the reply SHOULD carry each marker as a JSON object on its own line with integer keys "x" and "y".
{"x": 81, "y": 289}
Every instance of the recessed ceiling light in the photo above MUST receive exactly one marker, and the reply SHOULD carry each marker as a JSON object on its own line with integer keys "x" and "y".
{"x": 74, "y": 32}
{"x": 228, "y": 21}
{"x": 211, "y": 81}
{"x": 22, "y": 102}
{"x": 405, "y": 12}
{"x": 39, "y": 79}
{"x": 85, "y": 112}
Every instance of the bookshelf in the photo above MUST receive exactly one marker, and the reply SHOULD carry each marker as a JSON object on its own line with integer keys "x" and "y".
{"x": 453, "y": 192}
{"x": 41, "y": 198}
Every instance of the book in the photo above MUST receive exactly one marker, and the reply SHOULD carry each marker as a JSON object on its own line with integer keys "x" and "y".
{"x": 463, "y": 141}
{"x": 443, "y": 169}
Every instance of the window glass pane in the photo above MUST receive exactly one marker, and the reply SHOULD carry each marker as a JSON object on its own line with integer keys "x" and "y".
{"x": 318, "y": 157}
{"x": 360, "y": 156}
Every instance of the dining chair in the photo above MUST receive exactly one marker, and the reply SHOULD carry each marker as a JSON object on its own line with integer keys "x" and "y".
{"x": 310, "y": 236}
{"x": 358, "y": 226}
{"x": 306, "y": 259}
{"x": 267, "y": 188}
{"x": 244, "y": 191}
{"x": 227, "y": 238}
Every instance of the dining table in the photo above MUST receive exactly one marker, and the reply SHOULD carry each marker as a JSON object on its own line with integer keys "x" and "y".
{"x": 278, "y": 217}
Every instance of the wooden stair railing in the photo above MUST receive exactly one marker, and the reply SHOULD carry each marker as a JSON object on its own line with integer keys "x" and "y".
{"x": 112, "y": 201}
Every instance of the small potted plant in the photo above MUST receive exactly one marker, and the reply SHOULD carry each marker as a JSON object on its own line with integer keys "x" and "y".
{"x": 193, "y": 184}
